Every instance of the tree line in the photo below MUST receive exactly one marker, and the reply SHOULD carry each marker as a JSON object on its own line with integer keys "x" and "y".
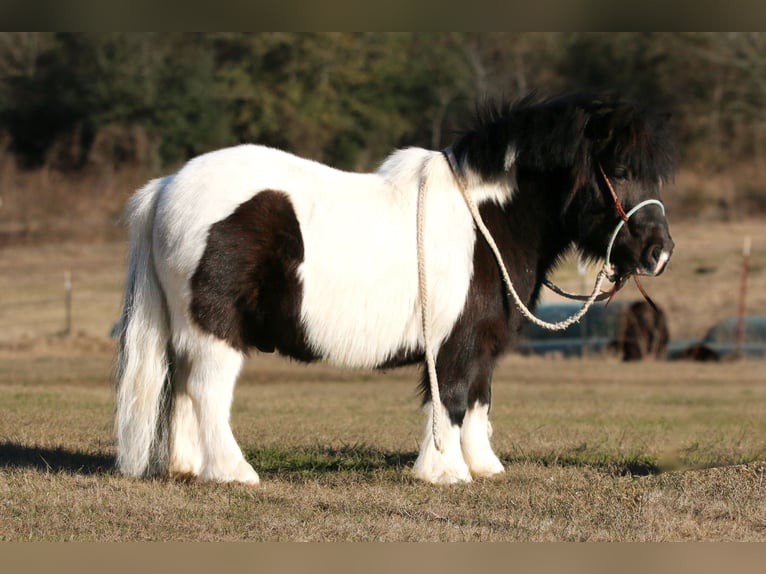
{"x": 71, "y": 101}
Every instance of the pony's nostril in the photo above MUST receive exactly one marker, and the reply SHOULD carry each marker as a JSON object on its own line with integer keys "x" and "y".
{"x": 655, "y": 258}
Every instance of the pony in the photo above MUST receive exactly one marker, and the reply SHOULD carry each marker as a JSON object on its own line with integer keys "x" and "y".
{"x": 252, "y": 248}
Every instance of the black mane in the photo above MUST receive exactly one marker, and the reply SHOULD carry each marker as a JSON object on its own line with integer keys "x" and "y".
{"x": 566, "y": 133}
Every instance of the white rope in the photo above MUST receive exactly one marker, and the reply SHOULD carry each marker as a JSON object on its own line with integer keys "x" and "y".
{"x": 426, "y": 318}
{"x": 606, "y": 272}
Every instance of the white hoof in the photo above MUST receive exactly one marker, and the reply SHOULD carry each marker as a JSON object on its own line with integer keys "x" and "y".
{"x": 487, "y": 468}
{"x": 243, "y": 472}
{"x": 447, "y": 467}
{"x": 183, "y": 468}
{"x": 442, "y": 476}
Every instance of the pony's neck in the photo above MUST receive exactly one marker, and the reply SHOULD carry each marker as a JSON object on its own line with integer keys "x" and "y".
{"x": 538, "y": 237}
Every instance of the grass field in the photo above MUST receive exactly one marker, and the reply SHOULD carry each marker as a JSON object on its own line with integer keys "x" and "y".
{"x": 594, "y": 449}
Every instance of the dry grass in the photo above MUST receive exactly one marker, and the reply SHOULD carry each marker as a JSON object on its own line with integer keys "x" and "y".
{"x": 594, "y": 450}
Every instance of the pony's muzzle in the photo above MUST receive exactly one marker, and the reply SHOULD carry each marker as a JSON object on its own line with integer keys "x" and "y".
{"x": 657, "y": 253}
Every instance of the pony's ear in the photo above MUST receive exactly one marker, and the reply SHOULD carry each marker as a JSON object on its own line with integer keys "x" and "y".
{"x": 599, "y": 124}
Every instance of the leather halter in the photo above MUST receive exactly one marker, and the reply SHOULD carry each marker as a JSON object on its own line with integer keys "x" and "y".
{"x": 617, "y": 203}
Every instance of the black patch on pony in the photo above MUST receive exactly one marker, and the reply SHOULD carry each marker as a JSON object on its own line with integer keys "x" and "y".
{"x": 467, "y": 357}
{"x": 245, "y": 289}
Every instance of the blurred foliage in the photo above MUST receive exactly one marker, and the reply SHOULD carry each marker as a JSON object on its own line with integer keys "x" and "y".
{"x": 70, "y": 101}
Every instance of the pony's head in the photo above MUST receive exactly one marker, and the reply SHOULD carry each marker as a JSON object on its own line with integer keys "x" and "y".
{"x": 592, "y": 159}
{"x": 625, "y": 156}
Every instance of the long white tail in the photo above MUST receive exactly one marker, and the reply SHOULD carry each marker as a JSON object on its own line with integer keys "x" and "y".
{"x": 143, "y": 362}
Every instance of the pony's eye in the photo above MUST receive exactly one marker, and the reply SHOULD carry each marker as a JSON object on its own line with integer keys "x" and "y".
{"x": 620, "y": 173}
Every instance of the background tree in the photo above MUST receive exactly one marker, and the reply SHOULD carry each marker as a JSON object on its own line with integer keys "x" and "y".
{"x": 70, "y": 101}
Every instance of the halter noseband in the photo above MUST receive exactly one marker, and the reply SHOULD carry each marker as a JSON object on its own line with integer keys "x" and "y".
{"x": 624, "y": 218}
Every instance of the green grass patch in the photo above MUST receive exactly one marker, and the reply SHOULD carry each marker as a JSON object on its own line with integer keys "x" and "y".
{"x": 317, "y": 460}
{"x": 611, "y": 463}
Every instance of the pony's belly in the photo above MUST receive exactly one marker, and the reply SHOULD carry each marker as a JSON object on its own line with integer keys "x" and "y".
{"x": 359, "y": 320}
{"x": 361, "y": 305}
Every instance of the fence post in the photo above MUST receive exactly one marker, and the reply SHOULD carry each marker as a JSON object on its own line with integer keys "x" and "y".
{"x": 740, "y": 332}
{"x": 67, "y": 303}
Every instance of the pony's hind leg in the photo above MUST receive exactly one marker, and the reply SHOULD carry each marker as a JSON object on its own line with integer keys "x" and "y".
{"x": 185, "y": 447}
{"x": 213, "y": 370}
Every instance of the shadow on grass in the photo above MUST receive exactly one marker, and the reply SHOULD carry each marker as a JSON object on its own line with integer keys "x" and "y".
{"x": 58, "y": 459}
{"x": 613, "y": 465}
{"x": 364, "y": 459}
{"x": 319, "y": 460}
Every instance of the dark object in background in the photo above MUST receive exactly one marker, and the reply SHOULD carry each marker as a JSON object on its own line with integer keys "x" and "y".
{"x": 720, "y": 341}
{"x": 643, "y": 332}
{"x": 632, "y": 328}
{"x": 699, "y": 352}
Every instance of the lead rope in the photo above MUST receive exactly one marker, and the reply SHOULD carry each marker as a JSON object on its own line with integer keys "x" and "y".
{"x": 426, "y": 319}
{"x": 606, "y": 272}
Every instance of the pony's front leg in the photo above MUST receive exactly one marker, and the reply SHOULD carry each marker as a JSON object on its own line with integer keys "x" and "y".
{"x": 476, "y": 429}
{"x": 447, "y": 466}
{"x": 474, "y": 439}
{"x": 464, "y": 380}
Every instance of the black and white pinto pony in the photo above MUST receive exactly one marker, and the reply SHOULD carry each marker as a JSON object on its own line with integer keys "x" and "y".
{"x": 254, "y": 248}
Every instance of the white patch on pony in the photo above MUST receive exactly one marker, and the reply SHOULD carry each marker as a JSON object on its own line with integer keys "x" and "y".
{"x": 474, "y": 440}
{"x": 446, "y": 467}
{"x": 497, "y": 192}
{"x": 510, "y": 157}
{"x": 663, "y": 259}
{"x": 359, "y": 274}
